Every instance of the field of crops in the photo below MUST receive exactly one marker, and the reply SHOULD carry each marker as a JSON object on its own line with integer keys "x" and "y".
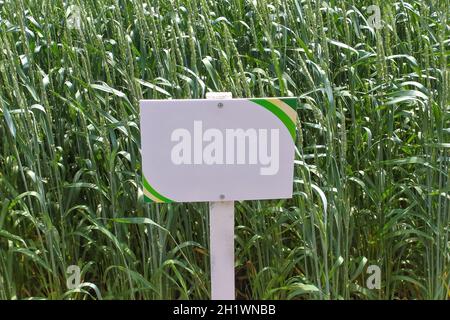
{"x": 371, "y": 183}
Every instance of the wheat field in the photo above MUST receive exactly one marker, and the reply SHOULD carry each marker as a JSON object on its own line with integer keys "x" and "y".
{"x": 371, "y": 184}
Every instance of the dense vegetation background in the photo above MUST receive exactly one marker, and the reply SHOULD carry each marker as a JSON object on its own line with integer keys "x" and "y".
{"x": 373, "y": 150}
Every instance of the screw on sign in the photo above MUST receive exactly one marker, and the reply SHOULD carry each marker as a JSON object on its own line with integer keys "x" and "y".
{"x": 218, "y": 150}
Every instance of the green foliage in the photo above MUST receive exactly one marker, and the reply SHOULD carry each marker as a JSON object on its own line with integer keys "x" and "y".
{"x": 371, "y": 171}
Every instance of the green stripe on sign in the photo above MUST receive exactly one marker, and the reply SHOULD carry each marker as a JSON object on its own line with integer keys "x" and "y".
{"x": 290, "y": 125}
{"x": 291, "y": 102}
{"x": 155, "y": 193}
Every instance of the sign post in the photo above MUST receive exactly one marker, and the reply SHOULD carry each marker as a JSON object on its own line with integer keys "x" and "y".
{"x": 218, "y": 150}
{"x": 221, "y": 239}
{"x": 221, "y": 235}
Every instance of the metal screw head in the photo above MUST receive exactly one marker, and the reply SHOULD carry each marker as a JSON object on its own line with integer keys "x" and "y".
{"x": 222, "y": 196}
{"x": 220, "y": 105}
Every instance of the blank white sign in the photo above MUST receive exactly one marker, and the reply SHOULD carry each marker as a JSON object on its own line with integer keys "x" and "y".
{"x": 218, "y": 150}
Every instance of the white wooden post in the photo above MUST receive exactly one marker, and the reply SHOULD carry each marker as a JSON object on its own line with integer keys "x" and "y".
{"x": 221, "y": 233}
